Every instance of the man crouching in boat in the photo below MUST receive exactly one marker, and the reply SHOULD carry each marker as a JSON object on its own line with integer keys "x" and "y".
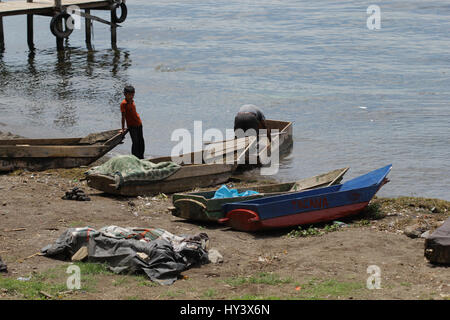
{"x": 250, "y": 119}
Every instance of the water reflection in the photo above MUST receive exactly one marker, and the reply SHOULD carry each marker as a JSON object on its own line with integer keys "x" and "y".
{"x": 57, "y": 87}
{"x": 31, "y": 63}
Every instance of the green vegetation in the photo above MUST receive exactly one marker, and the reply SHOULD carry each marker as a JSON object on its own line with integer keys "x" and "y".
{"x": 174, "y": 293}
{"x": 210, "y": 293}
{"x": 439, "y": 206}
{"x": 406, "y": 284}
{"x": 161, "y": 196}
{"x": 90, "y": 268}
{"x": 53, "y": 282}
{"x": 89, "y": 274}
{"x": 313, "y": 231}
{"x": 120, "y": 281}
{"x": 260, "y": 278}
{"x": 373, "y": 211}
{"x": 329, "y": 289}
{"x": 362, "y": 223}
{"x": 253, "y": 297}
{"x": 77, "y": 224}
{"x": 144, "y": 281}
{"x": 33, "y": 288}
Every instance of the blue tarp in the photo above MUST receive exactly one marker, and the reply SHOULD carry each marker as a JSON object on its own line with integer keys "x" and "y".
{"x": 224, "y": 192}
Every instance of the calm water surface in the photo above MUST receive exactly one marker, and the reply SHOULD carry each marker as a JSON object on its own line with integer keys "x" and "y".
{"x": 357, "y": 97}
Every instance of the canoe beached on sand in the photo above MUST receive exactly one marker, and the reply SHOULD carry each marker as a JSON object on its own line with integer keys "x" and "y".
{"x": 195, "y": 172}
{"x": 42, "y": 154}
{"x": 186, "y": 178}
{"x": 200, "y": 206}
{"x": 306, "y": 207}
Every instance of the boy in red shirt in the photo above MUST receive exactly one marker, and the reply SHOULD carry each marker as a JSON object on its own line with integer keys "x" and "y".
{"x": 134, "y": 123}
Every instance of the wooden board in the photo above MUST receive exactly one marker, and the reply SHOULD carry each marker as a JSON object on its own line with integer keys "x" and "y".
{"x": 283, "y": 137}
{"x": 41, "y": 154}
{"x": 23, "y": 151}
{"x": 93, "y": 138}
{"x": 206, "y": 157}
{"x": 326, "y": 179}
{"x": 40, "y": 142}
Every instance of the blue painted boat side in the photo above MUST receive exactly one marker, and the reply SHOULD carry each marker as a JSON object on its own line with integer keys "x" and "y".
{"x": 316, "y": 203}
{"x": 292, "y": 195}
{"x": 357, "y": 190}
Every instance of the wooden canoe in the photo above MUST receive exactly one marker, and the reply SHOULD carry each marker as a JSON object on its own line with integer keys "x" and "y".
{"x": 200, "y": 206}
{"x": 188, "y": 177}
{"x": 282, "y": 143}
{"x": 42, "y": 154}
{"x": 306, "y": 207}
{"x": 196, "y": 171}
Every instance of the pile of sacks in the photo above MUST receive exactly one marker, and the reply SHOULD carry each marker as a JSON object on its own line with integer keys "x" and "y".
{"x": 160, "y": 255}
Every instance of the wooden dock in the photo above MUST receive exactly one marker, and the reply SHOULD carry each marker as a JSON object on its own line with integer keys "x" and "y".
{"x": 61, "y": 11}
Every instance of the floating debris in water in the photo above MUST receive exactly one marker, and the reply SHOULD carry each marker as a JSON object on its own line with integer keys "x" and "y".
{"x": 164, "y": 68}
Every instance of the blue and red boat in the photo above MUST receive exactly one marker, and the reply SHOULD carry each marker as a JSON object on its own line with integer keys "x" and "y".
{"x": 306, "y": 207}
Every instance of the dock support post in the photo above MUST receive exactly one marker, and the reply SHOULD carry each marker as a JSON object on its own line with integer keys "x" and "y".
{"x": 113, "y": 32}
{"x": 30, "y": 30}
{"x": 88, "y": 23}
{"x": 59, "y": 41}
{"x": 2, "y": 38}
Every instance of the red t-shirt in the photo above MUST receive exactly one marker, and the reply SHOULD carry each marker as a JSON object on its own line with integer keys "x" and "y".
{"x": 131, "y": 116}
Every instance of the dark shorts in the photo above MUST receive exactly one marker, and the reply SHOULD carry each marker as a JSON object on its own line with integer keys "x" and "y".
{"x": 246, "y": 121}
{"x": 137, "y": 139}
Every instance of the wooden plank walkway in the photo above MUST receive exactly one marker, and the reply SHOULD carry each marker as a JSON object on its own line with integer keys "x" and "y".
{"x": 12, "y": 8}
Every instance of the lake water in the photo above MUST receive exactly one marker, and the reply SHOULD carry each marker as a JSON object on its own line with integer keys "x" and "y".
{"x": 358, "y": 97}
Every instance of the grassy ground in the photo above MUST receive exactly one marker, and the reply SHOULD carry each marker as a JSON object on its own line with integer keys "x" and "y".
{"x": 51, "y": 285}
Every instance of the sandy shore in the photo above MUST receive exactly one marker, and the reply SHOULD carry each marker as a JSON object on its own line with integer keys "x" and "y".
{"x": 278, "y": 264}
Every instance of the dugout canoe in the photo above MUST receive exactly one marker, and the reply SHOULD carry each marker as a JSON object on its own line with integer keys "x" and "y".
{"x": 195, "y": 172}
{"x": 42, "y": 154}
{"x": 200, "y": 206}
{"x": 188, "y": 177}
{"x": 306, "y": 207}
